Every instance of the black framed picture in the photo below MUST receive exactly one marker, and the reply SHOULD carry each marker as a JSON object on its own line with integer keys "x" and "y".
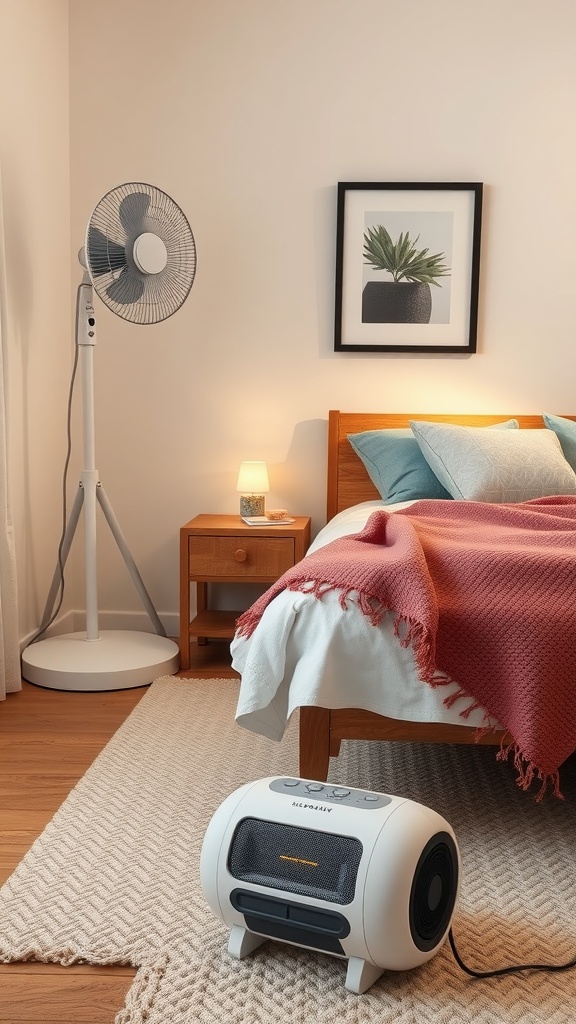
{"x": 407, "y": 266}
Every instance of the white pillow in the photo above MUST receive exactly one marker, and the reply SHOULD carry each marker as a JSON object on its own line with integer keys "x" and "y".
{"x": 495, "y": 465}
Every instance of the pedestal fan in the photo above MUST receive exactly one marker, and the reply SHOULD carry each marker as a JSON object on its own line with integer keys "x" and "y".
{"x": 139, "y": 257}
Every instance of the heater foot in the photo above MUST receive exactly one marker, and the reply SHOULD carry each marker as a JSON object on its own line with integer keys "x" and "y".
{"x": 361, "y": 975}
{"x": 242, "y": 942}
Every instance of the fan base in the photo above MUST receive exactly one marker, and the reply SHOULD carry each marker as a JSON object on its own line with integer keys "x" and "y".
{"x": 118, "y": 660}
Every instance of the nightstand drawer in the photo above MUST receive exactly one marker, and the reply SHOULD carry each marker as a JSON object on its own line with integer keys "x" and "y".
{"x": 242, "y": 557}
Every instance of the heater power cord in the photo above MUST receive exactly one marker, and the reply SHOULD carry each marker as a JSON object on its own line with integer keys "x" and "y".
{"x": 505, "y": 970}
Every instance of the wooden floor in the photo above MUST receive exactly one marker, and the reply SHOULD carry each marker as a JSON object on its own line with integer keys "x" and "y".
{"x": 48, "y": 739}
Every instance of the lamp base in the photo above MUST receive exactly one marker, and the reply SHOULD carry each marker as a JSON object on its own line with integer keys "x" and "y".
{"x": 252, "y": 504}
{"x": 118, "y": 660}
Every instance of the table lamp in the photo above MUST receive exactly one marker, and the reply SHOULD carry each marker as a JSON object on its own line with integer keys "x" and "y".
{"x": 252, "y": 485}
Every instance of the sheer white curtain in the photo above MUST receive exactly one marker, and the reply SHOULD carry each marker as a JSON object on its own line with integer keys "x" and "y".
{"x": 10, "y": 678}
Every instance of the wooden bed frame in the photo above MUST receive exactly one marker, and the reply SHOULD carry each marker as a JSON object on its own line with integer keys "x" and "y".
{"x": 321, "y": 729}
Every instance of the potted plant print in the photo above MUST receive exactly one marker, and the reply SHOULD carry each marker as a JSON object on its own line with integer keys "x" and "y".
{"x": 406, "y": 297}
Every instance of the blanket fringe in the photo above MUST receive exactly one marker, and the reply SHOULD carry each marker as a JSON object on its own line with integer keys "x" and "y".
{"x": 410, "y": 632}
{"x": 461, "y": 694}
{"x": 371, "y": 607}
{"x": 528, "y": 772}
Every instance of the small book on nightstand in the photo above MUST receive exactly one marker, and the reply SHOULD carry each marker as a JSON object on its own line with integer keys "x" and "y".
{"x": 264, "y": 521}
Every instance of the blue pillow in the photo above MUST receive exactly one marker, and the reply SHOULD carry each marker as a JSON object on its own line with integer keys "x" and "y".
{"x": 565, "y": 431}
{"x": 397, "y": 467}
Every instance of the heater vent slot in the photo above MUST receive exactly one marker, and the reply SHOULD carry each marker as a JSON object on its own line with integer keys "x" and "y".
{"x": 292, "y": 922}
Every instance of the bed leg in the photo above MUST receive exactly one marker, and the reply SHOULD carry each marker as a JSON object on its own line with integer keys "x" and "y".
{"x": 314, "y": 743}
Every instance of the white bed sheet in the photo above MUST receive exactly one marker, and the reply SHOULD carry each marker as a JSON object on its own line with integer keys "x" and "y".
{"x": 307, "y": 651}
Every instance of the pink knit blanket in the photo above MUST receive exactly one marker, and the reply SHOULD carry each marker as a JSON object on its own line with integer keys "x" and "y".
{"x": 486, "y": 595}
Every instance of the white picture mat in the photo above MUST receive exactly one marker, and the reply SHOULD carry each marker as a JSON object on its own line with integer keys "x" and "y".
{"x": 458, "y": 203}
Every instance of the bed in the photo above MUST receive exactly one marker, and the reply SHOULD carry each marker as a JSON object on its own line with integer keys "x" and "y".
{"x": 277, "y": 666}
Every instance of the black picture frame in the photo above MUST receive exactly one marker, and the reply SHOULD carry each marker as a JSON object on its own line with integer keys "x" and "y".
{"x": 429, "y": 234}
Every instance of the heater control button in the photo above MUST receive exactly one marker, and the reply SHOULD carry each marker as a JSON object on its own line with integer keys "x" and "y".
{"x": 330, "y": 793}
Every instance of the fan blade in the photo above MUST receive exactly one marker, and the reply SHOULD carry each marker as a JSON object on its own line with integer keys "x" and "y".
{"x": 104, "y": 255}
{"x": 133, "y": 210}
{"x": 128, "y": 288}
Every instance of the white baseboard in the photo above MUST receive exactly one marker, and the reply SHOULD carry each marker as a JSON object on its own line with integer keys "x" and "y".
{"x": 75, "y": 621}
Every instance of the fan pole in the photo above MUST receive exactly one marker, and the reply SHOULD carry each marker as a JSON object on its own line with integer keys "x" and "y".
{"x": 89, "y": 477}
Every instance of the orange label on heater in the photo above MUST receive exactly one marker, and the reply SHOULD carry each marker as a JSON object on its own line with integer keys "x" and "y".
{"x": 299, "y": 860}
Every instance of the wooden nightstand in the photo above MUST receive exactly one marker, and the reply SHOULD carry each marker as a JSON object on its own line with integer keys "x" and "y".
{"x": 223, "y": 549}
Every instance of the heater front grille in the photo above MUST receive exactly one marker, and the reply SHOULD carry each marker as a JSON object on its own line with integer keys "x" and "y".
{"x": 320, "y": 865}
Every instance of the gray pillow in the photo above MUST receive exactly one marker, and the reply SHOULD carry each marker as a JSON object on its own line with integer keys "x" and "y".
{"x": 396, "y": 466}
{"x": 495, "y": 465}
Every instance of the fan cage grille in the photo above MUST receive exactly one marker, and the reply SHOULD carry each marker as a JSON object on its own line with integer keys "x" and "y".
{"x": 116, "y": 222}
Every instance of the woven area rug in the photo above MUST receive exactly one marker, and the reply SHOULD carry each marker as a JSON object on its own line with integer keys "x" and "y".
{"x": 114, "y": 878}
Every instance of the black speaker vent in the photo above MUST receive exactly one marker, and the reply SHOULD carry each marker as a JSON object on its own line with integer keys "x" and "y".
{"x": 295, "y": 859}
{"x": 433, "y": 892}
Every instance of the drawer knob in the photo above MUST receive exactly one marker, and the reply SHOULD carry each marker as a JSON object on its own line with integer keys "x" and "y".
{"x": 240, "y": 555}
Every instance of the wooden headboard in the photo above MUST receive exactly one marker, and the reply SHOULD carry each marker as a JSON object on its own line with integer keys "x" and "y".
{"x": 348, "y": 481}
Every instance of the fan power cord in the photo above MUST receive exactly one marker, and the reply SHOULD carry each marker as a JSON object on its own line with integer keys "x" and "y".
{"x": 505, "y": 970}
{"x": 42, "y": 630}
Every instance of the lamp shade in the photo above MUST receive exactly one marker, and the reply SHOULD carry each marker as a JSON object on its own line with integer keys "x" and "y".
{"x": 253, "y": 478}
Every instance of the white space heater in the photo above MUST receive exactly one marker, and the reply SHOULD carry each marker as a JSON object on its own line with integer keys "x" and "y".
{"x": 364, "y": 876}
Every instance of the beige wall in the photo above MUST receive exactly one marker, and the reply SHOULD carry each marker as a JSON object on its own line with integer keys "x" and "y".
{"x": 248, "y": 112}
{"x": 34, "y": 153}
